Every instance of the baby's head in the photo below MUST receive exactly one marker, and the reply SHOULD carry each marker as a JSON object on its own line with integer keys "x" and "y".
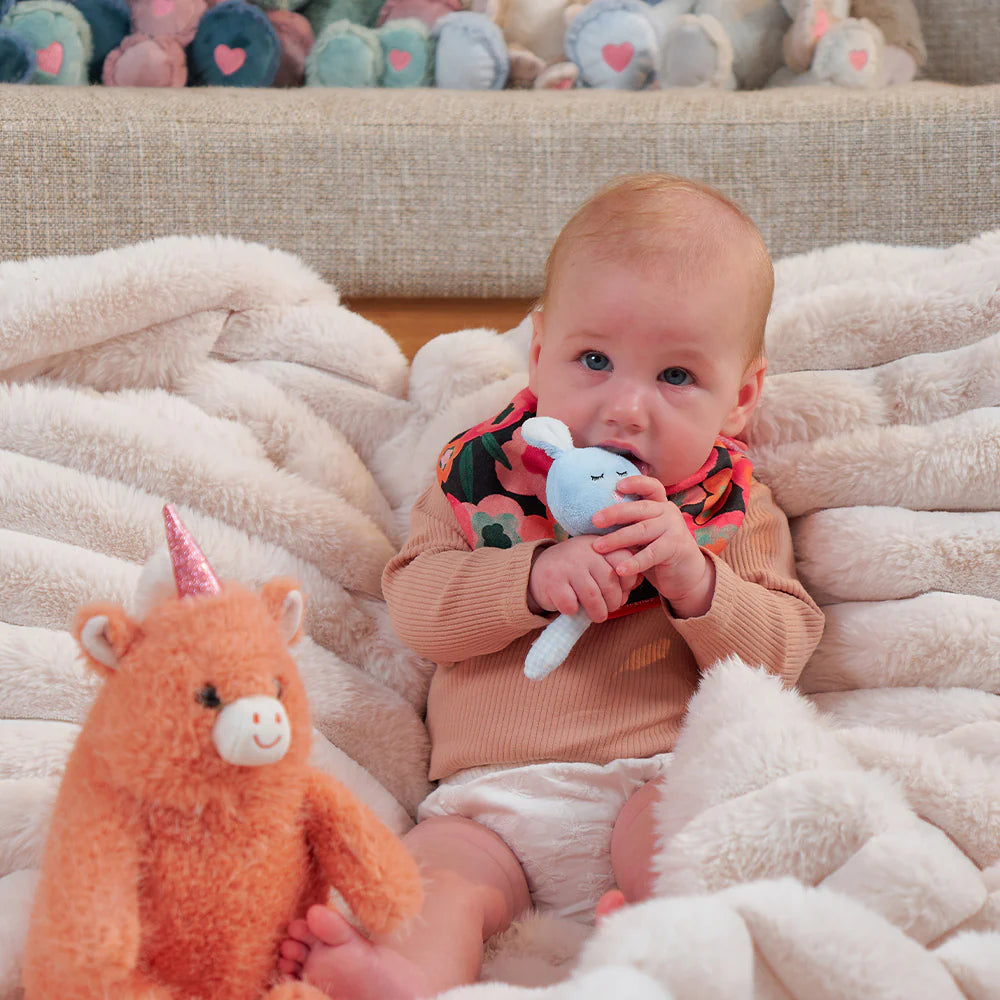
{"x": 649, "y": 335}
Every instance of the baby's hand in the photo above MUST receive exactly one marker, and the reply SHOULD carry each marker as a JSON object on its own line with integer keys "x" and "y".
{"x": 659, "y": 546}
{"x": 570, "y": 575}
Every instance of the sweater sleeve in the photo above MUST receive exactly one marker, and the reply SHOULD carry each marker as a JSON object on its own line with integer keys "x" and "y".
{"x": 759, "y": 611}
{"x": 448, "y": 602}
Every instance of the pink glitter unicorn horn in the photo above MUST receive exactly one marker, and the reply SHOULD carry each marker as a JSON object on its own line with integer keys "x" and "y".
{"x": 192, "y": 572}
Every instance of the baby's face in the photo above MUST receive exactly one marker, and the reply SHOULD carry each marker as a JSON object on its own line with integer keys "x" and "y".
{"x": 635, "y": 360}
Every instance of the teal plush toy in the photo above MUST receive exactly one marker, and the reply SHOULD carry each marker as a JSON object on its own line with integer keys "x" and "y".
{"x": 364, "y": 44}
{"x": 400, "y": 53}
{"x": 17, "y": 57}
{"x": 235, "y": 46}
{"x": 55, "y": 46}
{"x": 579, "y": 483}
{"x": 405, "y": 43}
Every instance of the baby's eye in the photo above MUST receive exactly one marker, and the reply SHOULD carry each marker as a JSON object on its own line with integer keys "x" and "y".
{"x": 595, "y": 478}
{"x": 675, "y": 376}
{"x": 595, "y": 361}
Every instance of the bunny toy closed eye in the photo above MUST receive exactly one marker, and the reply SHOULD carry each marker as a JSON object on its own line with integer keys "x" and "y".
{"x": 580, "y": 482}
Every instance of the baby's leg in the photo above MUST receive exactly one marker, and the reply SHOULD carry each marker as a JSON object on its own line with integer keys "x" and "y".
{"x": 474, "y": 887}
{"x": 633, "y": 844}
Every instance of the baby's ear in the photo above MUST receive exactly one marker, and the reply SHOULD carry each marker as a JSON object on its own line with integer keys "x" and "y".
{"x": 105, "y": 634}
{"x": 747, "y": 399}
{"x": 286, "y": 605}
{"x": 547, "y": 433}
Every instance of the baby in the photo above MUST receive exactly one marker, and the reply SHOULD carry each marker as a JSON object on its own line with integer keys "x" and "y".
{"x": 648, "y": 341}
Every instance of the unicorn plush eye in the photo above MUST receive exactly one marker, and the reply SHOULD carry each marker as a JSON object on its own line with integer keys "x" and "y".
{"x": 595, "y": 478}
{"x": 208, "y": 697}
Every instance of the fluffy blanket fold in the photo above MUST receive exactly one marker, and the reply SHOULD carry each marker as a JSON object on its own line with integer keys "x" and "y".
{"x": 838, "y": 841}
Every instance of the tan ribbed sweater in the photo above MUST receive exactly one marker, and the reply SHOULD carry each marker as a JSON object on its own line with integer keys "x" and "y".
{"x": 624, "y": 688}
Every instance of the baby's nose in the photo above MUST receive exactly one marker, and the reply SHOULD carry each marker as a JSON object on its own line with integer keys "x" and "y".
{"x": 627, "y": 407}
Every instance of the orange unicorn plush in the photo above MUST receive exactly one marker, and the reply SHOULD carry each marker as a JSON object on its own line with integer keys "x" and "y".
{"x": 189, "y": 828}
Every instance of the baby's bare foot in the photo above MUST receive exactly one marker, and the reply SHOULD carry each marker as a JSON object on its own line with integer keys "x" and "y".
{"x": 612, "y": 900}
{"x": 326, "y": 951}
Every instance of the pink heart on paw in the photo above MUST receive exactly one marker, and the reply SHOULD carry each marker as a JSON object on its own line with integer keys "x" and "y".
{"x": 618, "y": 56}
{"x": 50, "y": 58}
{"x": 229, "y": 60}
{"x": 163, "y": 8}
{"x": 821, "y": 26}
{"x": 859, "y": 59}
{"x": 399, "y": 59}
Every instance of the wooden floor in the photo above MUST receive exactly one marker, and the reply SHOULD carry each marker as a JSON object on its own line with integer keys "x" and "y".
{"x": 412, "y": 322}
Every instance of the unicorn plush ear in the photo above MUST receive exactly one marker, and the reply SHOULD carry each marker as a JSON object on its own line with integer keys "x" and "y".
{"x": 105, "y": 633}
{"x": 286, "y": 605}
{"x": 547, "y": 433}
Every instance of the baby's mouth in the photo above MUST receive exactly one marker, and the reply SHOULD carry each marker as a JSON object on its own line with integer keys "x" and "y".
{"x": 642, "y": 466}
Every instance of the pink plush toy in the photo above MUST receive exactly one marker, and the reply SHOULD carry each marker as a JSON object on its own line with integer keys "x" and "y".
{"x": 153, "y": 55}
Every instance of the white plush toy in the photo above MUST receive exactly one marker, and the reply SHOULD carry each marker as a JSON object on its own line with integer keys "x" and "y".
{"x": 852, "y": 43}
{"x": 579, "y": 483}
{"x": 727, "y": 44}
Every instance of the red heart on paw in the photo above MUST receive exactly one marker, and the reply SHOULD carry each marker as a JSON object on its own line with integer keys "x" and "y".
{"x": 399, "y": 59}
{"x": 50, "y": 58}
{"x": 618, "y": 56}
{"x": 821, "y": 25}
{"x": 859, "y": 59}
{"x": 229, "y": 60}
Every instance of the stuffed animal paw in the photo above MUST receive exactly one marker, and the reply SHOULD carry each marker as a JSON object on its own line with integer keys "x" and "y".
{"x": 471, "y": 52}
{"x": 59, "y": 39}
{"x": 614, "y": 45}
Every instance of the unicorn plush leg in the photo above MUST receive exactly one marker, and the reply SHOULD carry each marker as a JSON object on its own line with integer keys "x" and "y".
{"x": 554, "y": 644}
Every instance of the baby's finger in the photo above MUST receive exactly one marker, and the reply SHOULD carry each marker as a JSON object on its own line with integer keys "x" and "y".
{"x": 643, "y": 486}
{"x": 629, "y": 581}
{"x": 632, "y": 536}
{"x": 593, "y": 597}
{"x": 627, "y": 513}
{"x": 661, "y": 550}
{"x": 565, "y": 601}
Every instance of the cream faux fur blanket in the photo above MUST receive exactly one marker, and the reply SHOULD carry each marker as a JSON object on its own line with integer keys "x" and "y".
{"x": 840, "y": 843}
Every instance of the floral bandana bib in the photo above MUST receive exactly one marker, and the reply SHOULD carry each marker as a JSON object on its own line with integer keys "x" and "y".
{"x": 495, "y": 483}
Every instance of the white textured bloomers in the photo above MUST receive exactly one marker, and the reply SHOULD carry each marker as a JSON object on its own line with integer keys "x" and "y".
{"x": 556, "y": 817}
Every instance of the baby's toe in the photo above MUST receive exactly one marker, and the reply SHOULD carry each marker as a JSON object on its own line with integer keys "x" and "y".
{"x": 289, "y": 968}
{"x": 298, "y": 930}
{"x": 293, "y": 951}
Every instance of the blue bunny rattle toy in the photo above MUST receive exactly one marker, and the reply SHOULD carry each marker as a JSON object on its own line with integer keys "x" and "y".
{"x": 580, "y": 482}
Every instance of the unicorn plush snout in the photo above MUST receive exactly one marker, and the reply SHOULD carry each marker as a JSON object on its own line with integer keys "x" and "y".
{"x": 252, "y": 731}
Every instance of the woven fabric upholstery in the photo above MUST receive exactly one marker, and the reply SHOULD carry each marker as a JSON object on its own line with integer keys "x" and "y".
{"x": 963, "y": 40}
{"x": 446, "y": 193}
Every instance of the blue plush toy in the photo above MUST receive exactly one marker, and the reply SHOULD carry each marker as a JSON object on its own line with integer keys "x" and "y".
{"x": 580, "y": 482}
{"x": 614, "y": 44}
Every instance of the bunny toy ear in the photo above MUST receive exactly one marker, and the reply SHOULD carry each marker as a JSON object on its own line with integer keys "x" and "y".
{"x": 547, "y": 433}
